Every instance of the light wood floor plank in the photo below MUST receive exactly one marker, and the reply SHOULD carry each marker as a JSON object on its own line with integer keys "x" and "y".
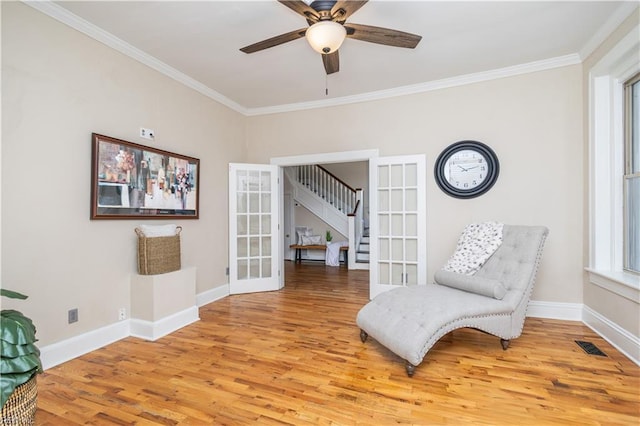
{"x": 294, "y": 357}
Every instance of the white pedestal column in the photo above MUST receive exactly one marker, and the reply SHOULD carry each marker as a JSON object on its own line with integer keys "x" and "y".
{"x": 161, "y": 304}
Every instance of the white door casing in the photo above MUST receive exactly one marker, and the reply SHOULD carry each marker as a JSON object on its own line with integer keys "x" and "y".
{"x": 254, "y": 237}
{"x": 397, "y": 223}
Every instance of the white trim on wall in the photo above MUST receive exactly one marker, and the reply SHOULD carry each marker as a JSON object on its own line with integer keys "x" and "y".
{"x": 153, "y": 330}
{"x": 66, "y": 350}
{"x": 66, "y": 17}
{"x": 461, "y": 80}
{"x": 621, "y": 339}
{"x": 325, "y": 158}
{"x": 212, "y": 295}
{"x": 555, "y": 310}
{"x": 61, "y": 14}
{"x": 614, "y": 21}
{"x": 622, "y": 283}
{"x": 76, "y": 346}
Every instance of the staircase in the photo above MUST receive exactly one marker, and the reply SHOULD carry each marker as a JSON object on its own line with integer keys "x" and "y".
{"x": 334, "y": 202}
{"x": 362, "y": 251}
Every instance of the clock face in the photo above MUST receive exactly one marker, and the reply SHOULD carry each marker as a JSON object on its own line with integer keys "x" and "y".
{"x": 466, "y": 169}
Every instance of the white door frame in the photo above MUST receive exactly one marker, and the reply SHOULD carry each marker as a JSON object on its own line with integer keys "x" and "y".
{"x": 325, "y": 158}
{"x": 329, "y": 157}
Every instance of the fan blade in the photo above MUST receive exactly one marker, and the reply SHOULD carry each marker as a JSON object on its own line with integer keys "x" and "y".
{"x": 343, "y": 9}
{"x": 331, "y": 62}
{"x": 382, "y": 36}
{"x": 303, "y": 9}
{"x": 274, "y": 41}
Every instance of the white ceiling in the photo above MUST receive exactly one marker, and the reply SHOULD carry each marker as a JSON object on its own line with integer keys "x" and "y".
{"x": 198, "y": 42}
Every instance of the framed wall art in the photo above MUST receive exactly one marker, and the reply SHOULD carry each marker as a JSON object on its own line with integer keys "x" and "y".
{"x": 132, "y": 181}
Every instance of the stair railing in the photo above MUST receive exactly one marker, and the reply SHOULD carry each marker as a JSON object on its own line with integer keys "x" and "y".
{"x": 356, "y": 228}
{"x": 327, "y": 186}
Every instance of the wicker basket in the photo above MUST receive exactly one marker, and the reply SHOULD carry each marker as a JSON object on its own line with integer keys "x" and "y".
{"x": 20, "y": 408}
{"x": 158, "y": 255}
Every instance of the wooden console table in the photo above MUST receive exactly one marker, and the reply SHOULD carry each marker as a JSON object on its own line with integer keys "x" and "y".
{"x": 299, "y": 248}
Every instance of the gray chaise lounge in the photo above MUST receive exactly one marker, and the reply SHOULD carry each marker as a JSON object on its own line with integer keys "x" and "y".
{"x": 410, "y": 320}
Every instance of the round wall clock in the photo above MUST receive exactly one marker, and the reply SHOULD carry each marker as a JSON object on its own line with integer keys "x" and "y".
{"x": 466, "y": 169}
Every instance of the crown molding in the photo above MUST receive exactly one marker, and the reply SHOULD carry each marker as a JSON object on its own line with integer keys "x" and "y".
{"x": 74, "y": 21}
{"x": 615, "y": 20}
{"x": 429, "y": 86}
{"x": 63, "y": 15}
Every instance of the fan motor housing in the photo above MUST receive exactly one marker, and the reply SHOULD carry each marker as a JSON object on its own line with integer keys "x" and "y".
{"x": 322, "y": 5}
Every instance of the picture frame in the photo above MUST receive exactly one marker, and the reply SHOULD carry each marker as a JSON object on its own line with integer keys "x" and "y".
{"x": 133, "y": 181}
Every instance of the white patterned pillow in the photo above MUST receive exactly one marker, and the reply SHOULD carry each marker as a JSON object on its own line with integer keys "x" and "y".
{"x": 476, "y": 244}
{"x": 302, "y": 231}
{"x": 311, "y": 240}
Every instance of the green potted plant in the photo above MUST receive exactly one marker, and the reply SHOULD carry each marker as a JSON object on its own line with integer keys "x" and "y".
{"x": 328, "y": 237}
{"x": 19, "y": 364}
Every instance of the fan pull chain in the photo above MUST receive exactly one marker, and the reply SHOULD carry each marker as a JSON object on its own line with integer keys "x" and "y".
{"x": 326, "y": 85}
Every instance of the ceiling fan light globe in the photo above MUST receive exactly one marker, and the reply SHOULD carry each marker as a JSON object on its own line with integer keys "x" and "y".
{"x": 326, "y": 36}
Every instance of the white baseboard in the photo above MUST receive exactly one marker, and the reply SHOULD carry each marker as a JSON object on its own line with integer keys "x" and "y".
{"x": 57, "y": 353}
{"x": 153, "y": 330}
{"x": 359, "y": 266}
{"x": 66, "y": 350}
{"x": 621, "y": 339}
{"x": 212, "y": 295}
{"x": 555, "y": 310}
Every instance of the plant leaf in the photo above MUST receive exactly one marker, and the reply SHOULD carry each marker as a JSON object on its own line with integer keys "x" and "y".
{"x": 16, "y": 328}
{"x": 12, "y": 294}
{"x": 9, "y": 350}
{"x": 22, "y": 364}
{"x": 9, "y": 382}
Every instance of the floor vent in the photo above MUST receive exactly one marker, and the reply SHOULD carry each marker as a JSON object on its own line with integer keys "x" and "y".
{"x": 590, "y": 348}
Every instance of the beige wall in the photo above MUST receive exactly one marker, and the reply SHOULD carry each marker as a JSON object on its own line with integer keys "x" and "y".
{"x": 620, "y": 310}
{"x": 532, "y": 121}
{"x": 59, "y": 86}
{"x": 304, "y": 217}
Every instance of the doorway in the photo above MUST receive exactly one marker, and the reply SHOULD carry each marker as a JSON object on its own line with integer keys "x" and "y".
{"x": 288, "y": 233}
{"x": 397, "y": 188}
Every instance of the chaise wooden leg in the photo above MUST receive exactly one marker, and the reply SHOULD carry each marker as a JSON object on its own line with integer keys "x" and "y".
{"x": 363, "y": 336}
{"x": 410, "y": 369}
{"x": 505, "y": 344}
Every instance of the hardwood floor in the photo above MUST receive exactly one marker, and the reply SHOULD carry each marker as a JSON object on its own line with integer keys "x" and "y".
{"x": 295, "y": 357}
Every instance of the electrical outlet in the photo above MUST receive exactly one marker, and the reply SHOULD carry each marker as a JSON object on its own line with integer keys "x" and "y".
{"x": 147, "y": 133}
{"x": 122, "y": 314}
{"x": 73, "y": 315}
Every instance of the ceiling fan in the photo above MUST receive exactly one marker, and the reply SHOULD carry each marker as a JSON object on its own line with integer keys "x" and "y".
{"x": 328, "y": 29}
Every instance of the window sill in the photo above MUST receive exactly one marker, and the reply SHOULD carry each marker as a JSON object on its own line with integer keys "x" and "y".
{"x": 622, "y": 283}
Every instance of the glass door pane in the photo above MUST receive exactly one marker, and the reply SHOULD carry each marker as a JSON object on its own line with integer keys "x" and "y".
{"x": 253, "y": 228}
{"x": 398, "y": 242}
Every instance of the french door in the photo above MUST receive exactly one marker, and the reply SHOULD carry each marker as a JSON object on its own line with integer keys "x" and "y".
{"x": 254, "y": 240}
{"x": 398, "y": 223}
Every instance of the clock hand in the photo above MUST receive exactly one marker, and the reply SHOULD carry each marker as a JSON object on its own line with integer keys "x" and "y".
{"x": 463, "y": 169}
{"x": 471, "y": 168}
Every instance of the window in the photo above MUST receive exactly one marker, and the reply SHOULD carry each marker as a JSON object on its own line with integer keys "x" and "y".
{"x": 614, "y": 169}
{"x": 632, "y": 176}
